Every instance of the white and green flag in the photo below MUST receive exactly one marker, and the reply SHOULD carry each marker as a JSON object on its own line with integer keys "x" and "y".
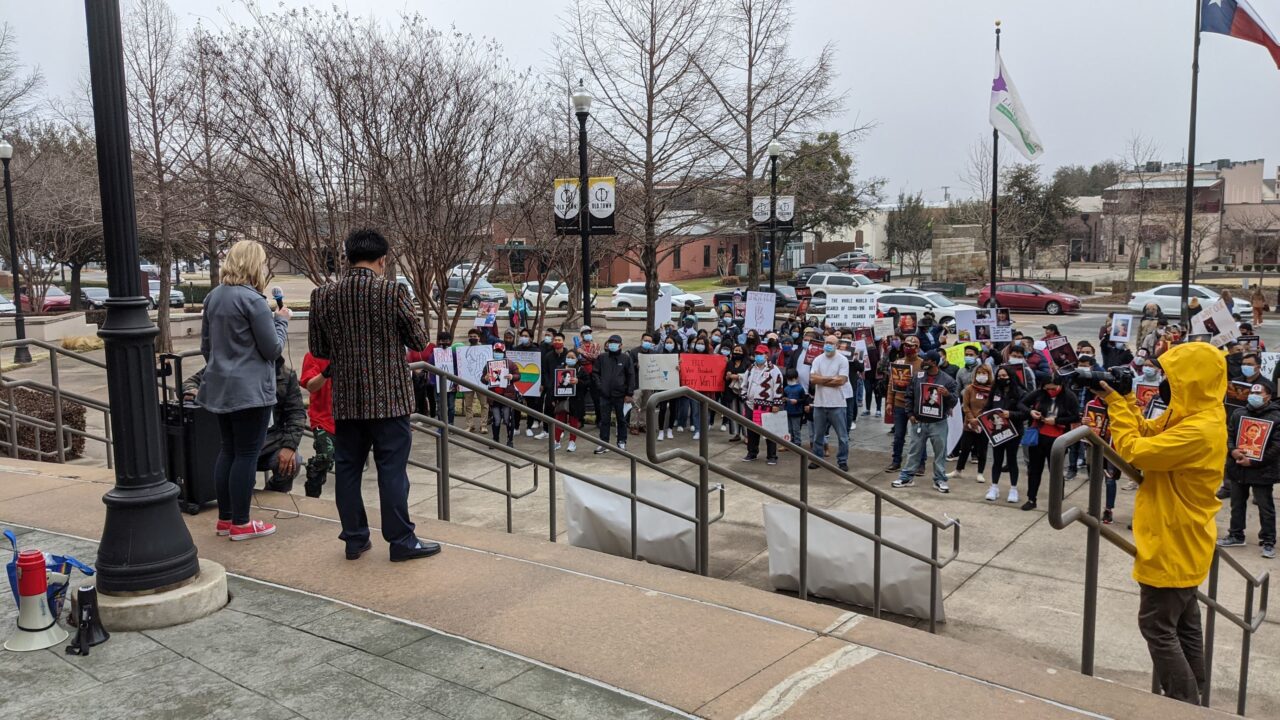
{"x": 1010, "y": 117}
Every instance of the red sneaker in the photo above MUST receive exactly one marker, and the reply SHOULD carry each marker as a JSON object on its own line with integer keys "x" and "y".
{"x": 255, "y": 528}
{"x": 224, "y": 528}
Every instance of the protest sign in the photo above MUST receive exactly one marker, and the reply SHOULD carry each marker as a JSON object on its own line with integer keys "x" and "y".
{"x": 1121, "y": 328}
{"x": 955, "y": 353}
{"x": 998, "y": 428}
{"x": 907, "y": 323}
{"x": 1252, "y": 343}
{"x": 1216, "y": 320}
{"x": 659, "y": 372}
{"x": 1238, "y": 393}
{"x": 882, "y": 327}
{"x": 443, "y": 359}
{"x": 497, "y": 374}
{"x": 929, "y": 403}
{"x": 1144, "y": 393}
{"x": 704, "y": 373}
{"x": 471, "y": 362}
{"x": 487, "y": 315}
{"x": 966, "y": 323}
{"x": 815, "y": 349}
{"x": 760, "y": 311}
{"x": 564, "y": 382}
{"x": 850, "y": 311}
{"x": 1000, "y": 333}
{"x": 1269, "y": 362}
{"x": 1060, "y": 351}
{"x": 1251, "y": 437}
{"x": 662, "y": 308}
{"x": 529, "y": 363}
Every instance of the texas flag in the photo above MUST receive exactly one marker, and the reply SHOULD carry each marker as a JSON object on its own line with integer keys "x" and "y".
{"x": 1238, "y": 19}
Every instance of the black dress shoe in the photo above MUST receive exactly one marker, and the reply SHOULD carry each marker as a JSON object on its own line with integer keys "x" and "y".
{"x": 356, "y": 553}
{"x": 424, "y": 549}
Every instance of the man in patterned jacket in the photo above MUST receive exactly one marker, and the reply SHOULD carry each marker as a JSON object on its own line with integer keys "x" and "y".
{"x": 362, "y": 324}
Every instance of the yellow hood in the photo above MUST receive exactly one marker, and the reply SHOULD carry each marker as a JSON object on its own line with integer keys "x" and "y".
{"x": 1197, "y": 374}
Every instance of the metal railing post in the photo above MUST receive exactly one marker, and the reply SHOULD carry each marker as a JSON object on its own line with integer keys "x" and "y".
{"x": 1210, "y": 622}
{"x": 57, "y": 407}
{"x": 635, "y": 550}
{"x": 551, "y": 484}
{"x": 1092, "y": 551}
{"x": 875, "y": 574}
{"x": 704, "y": 527}
{"x": 442, "y": 450}
{"x": 804, "y": 526}
{"x": 1245, "y": 645}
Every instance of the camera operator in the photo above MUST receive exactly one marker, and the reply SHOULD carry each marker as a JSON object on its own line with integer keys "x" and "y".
{"x": 1181, "y": 455}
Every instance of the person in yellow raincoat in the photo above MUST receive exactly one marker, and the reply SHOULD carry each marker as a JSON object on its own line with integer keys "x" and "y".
{"x": 1181, "y": 454}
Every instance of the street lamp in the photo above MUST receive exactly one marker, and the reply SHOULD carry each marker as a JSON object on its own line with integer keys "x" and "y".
{"x": 775, "y": 149}
{"x": 582, "y": 108}
{"x": 21, "y": 354}
{"x": 145, "y": 544}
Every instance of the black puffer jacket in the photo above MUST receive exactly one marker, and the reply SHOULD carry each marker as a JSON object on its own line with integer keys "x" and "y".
{"x": 1267, "y": 470}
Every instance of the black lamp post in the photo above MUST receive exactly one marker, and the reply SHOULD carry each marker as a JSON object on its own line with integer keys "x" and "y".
{"x": 21, "y": 354}
{"x": 582, "y": 108}
{"x": 775, "y": 149}
{"x": 145, "y": 544}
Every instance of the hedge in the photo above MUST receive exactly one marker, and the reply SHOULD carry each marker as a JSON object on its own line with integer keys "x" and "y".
{"x": 40, "y": 405}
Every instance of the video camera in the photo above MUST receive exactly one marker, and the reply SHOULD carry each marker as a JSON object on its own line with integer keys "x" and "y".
{"x": 1120, "y": 378}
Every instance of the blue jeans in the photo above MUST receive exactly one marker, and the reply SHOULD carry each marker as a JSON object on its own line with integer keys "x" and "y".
{"x": 900, "y": 425}
{"x": 850, "y": 410}
{"x": 825, "y": 418}
{"x": 242, "y": 434}
{"x": 930, "y": 433}
{"x": 795, "y": 424}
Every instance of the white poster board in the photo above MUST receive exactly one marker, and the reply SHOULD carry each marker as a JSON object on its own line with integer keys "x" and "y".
{"x": 966, "y": 324}
{"x": 529, "y": 365}
{"x": 662, "y": 308}
{"x": 851, "y": 311}
{"x": 1269, "y": 361}
{"x": 776, "y": 423}
{"x": 882, "y": 328}
{"x": 443, "y": 359}
{"x": 472, "y": 360}
{"x": 1122, "y": 329}
{"x": 658, "y": 372}
{"x": 1217, "y": 322}
{"x": 760, "y": 311}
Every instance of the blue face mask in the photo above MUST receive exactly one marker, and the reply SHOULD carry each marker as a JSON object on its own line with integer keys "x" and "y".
{"x": 646, "y": 345}
{"x": 828, "y": 348}
{"x": 571, "y": 361}
{"x": 587, "y": 337}
{"x": 970, "y": 361}
{"x": 614, "y": 347}
{"x": 1248, "y": 370}
{"x": 670, "y": 346}
{"x": 499, "y": 356}
{"x": 715, "y": 339}
{"x": 1148, "y": 372}
{"x": 759, "y": 359}
{"x": 1255, "y": 401}
{"x": 786, "y": 347}
{"x": 700, "y": 347}
{"x": 725, "y": 352}
{"x": 795, "y": 336}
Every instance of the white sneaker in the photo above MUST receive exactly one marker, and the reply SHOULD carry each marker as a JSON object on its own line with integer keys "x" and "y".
{"x": 953, "y": 474}
{"x": 697, "y": 434}
{"x": 993, "y": 494}
{"x": 1013, "y": 495}
{"x": 573, "y": 446}
{"x": 622, "y": 445}
{"x": 724, "y": 427}
{"x": 557, "y": 446}
{"x": 879, "y": 413}
{"x": 660, "y": 436}
{"x": 541, "y": 436}
{"x": 982, "y": 478}
{"x": 853, "y": 426}
{"x": 528, "y": 432}
{"x": 679, "y": 428}
{"x": 670, "y": 435}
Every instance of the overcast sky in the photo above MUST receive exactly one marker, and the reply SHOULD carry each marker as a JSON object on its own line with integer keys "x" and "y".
{"x": 1091, "y": 72}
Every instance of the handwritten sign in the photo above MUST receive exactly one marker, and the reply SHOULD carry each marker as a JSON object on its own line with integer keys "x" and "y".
{"x": 529, "y": 364}
{"x": 704, "y": 373}
{"x": 659, "y": 372}
{"x": 1269, "y": 362}
{"x": 760, "y": 311}
{"x": 472, "y": 360}
{"x": 882, "y": 327}
{"x": 443, "y": 359}
{"x": 955, "y": 353}
{"x": 851, "y": 310}
{"x": 1217, "y": 322}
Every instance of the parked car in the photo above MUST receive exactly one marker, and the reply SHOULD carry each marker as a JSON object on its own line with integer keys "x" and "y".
{"x": 878, "y": 273}
{"x": 7, "y": 306}
{"x": 407, "y": 286}
{"x": 1169, "y": 298}
{"x": 554, "y": 293}
{"x": 850, "y": 258}
{"x": 786, "y": 297}
{"x": 631, "y": 294}
{"x": 804, "y": 272}
{"x": 482, "y": 291}
{"x": 1028, "y": 296}
{"x": 466, "y": 270}
{"x": 837, "y": 283}
{"x": 94, "y": 298}
{"x": 55, "y": 300}
{"x": 918, "y": 301}
{"x": 176, "y": 297}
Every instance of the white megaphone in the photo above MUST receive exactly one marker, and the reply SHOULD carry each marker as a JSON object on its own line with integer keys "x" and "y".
{"x": 37, "y": 627}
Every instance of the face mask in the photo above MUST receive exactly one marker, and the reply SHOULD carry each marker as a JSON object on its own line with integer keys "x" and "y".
{"x": 894, "y": 344}
{"x": 759, "y": 359}
{"x": 1256, "y": 401}
{"x": 499, "y": 356}
{"x": 829, "y": 349}
{"x": 614, "y": 347}
{"x": 571, "y": 361}
{"x": 970, "y": 361}
{"x": 727, "y": 320}
{"x": 700, "y": 347}
{"x": 737, "y": 356}
{"x": 669, "y": 346}
{"x": 1087, "y": 359}
{"x": 1166, "y": 392}
{"x": 647, "y": 345}
{"x": 1248, "y": 370}
{"x": 524, "y": 341}
{"x": 1017, "y": 361}
{"x": 795, "y": 336}
{"x": 724, "y": 353}
{"x": 982, "y": 379}
{"x": 1002, "y": 381}
{"x": 558, "y": 344}
{"x": 715, "y": 339}
{"x": 546, "y": 338}
{"x": 773, "y": 342}
{"x": 1052, "y": 392}
{"x": 473, "y": 340}
{"x": 912, "y": 349}
{"x": 1148, "y": 372}
{"x": 587, "y": 337}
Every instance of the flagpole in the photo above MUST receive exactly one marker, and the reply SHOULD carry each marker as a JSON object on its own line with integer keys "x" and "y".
{"x": 995, "y": 187}
{"x": 1191, "y": 176}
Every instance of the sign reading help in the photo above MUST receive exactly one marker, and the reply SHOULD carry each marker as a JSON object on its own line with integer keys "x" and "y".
{"x": 659, "y": 372}
{"x": 704, "y": 373}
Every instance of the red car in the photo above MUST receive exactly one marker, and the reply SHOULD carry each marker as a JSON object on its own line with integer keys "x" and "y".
{"x": 55, "y": 300}
{"x": 1029, "y": 296}
{"x": 872, "y": 271}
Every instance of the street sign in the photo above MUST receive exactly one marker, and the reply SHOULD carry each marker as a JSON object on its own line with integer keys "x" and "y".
{"x": 601, "y": 196}
{"x": 786, "y": 211}
{"x": 760, "y": 209}
{"x": 567, "y": 203}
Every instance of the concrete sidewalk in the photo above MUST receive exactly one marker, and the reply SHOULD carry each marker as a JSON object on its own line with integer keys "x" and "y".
{"x": 697, "y": 645}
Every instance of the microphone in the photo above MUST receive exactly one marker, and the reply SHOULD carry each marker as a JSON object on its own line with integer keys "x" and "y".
{"x": 278, "y": 293}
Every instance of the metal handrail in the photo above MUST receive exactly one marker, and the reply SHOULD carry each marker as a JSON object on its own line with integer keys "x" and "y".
{"x": 703, "y": 461}
{"x": 444, "y": 433}
{"x": 54, "y": 389}
{"x": 1100, "y": 451}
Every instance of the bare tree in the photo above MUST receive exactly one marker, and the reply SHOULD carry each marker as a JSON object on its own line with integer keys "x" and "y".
{"x": 1259, "y": 230}
{"x": 207, "y": 157}
{"x": 1138, "y": 156}
{"x": 158, "y": 97}
{"x": 652, "y": 112}
{"x": 762, "y": 92}
{"x": 18, "y": 85}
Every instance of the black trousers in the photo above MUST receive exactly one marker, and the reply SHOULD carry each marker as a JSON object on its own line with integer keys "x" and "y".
{"x": 1169, "y": 620}
{"x": 1004, "y": 458}
{"x": 611, "y": 407}
{"x": 972, "y": 444}
{"x": 1037, "y": 456}
{"x": 1265, "y": 498}
{"x": 390, "y": 439}
{"x": 242, "y": 434}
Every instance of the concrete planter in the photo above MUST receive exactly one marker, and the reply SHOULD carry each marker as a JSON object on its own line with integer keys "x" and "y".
{"x": 50, "y": 328}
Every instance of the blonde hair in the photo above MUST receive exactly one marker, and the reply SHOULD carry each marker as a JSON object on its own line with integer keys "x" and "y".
{"x": 246, "y": 265}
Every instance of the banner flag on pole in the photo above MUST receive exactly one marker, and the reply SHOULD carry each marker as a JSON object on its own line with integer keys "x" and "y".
{"x": 1238, "y": 19}
{"x": 1010, "y": 117}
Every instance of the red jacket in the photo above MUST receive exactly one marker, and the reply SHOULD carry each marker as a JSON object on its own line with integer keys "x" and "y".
{"x": 320, "y": 412}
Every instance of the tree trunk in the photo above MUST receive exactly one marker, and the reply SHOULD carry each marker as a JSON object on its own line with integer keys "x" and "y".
{"x": 215, "y": 263}
{"x": 755, "y": 264}
{"x": 649, "y": 266}
{"x": 75, "y": 287}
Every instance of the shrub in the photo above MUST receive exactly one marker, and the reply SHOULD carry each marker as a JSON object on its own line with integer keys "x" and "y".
{"x": 95, "y": 317}
{"x": 40, "y": 405}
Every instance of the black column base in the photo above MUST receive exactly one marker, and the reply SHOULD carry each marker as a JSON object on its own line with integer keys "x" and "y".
{"x": 145, "y": 544}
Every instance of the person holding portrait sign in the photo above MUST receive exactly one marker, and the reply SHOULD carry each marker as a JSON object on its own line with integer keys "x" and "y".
{"x": 570, "y": 397}
{"x": 1253, "y": 466}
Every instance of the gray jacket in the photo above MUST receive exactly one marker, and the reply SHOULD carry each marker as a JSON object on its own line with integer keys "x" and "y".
{"x": 240, "y": 340}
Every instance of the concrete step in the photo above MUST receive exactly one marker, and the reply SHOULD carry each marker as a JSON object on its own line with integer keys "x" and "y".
{"x": 699, "y": 646}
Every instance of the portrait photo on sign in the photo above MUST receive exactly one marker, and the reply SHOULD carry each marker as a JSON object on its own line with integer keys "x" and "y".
{"x": 997, "y": 427}
{"x": 1251, "y": 437}
{"x": 907, "y": 323}
{"x": 1002, "y": 317}
{"x": 984, "y": 316}
{"x": 1061, "y": 352}
{"x": 1120, "y": 328}
{"x": 1154, "y": 409}
{"x": 1251, "y": 343}
{"x": 1144, "y": 393}
{"x": 930, "y": 401}
{"x": 1096, "y": 418}
{"x": 982, "y": 332}
{"x": 899, "y": 375}
{"x": 564, "y": 382}
{"x": 1238, "y": 393}
{"x": 497, "y": 373}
